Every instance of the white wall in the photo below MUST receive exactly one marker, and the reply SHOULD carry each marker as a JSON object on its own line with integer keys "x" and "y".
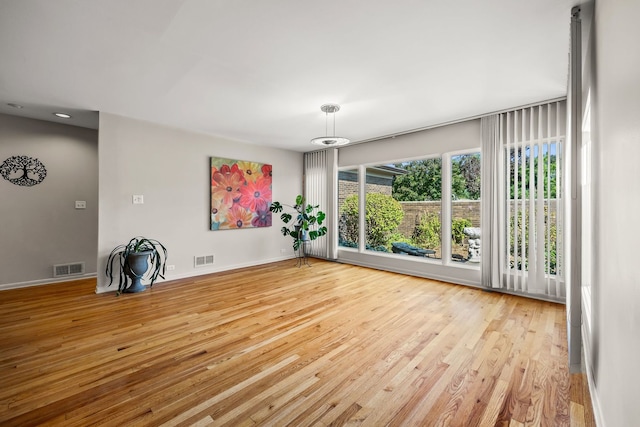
{"x": 614, "y": 348}
{"x": 40, "y": 226}
{"x": 171, "y": 169}
{"x": 459, "y": 136}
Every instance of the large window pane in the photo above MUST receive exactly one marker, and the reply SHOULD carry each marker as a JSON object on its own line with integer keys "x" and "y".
{"x": 348, "y": 208}
{"x": 403, "y": 206}
{"x": 383, "y": 213}
{"x": 465, "y": 208}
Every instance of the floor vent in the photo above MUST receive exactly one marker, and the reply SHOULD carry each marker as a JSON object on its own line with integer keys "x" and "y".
{"x": 73, "y": 269}
{"x": 203, "y": 260}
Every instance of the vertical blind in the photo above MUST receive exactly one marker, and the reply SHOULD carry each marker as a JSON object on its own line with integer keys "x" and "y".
{"x": 533, "y": 152}
{"x": 320, "y": 187}
{"x": 523, "y": 155}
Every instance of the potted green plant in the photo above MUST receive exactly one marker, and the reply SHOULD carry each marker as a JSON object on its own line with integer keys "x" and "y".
{"x": 134, "y": 260}
{"x": 304, "y": 224}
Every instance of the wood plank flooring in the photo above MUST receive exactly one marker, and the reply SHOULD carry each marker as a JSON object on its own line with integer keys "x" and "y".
{"x": 276, "y": 345}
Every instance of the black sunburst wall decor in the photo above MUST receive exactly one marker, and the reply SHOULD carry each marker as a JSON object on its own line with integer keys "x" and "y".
{"x": 23, "y": 170}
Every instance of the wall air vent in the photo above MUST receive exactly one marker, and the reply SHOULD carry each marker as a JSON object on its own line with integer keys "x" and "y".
{"x": 72, "y": 269}
{"x": 203, "y": 260}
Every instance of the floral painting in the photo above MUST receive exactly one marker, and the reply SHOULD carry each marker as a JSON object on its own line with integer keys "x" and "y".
{"x": 240, "y": 194}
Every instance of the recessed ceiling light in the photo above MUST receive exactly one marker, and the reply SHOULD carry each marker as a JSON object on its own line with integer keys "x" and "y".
{"x": 11, "y": 104}
{"x": 62, "y": 115}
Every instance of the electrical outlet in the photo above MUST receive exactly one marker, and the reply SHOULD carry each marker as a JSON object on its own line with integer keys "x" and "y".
{"x": 138, "y": 199}
{"x": 171, "y": 267}
{"x": 81, "y": 204}
{"x": 283, "y": 251}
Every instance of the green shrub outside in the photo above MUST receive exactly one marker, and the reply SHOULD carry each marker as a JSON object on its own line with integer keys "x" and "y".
{"x": 383, "y": 215}
{"x": 427, "y": 232}
{"x": 457, "y": 229}
{"x": 348, "y": 226}
{"x": 398, "y": 238}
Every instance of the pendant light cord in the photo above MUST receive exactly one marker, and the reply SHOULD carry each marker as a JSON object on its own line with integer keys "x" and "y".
{"x": 326, "y": 123}
{"x": 334, "y": 124}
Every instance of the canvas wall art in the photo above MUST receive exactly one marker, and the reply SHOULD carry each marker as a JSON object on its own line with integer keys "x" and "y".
{"x": 240, "y": 194}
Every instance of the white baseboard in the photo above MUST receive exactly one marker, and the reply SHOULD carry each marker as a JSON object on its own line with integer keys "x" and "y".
{"x": 48, "y": 281}
{"x": 202, "y": 271}
{"x": 411, "y": 272}
{"x": 586, "y": 353}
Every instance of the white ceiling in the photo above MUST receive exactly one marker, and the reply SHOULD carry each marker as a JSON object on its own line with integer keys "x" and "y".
{"x": 258, "y": 71}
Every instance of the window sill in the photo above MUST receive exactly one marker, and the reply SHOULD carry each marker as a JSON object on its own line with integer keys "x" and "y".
{"x": 411, "y": 258}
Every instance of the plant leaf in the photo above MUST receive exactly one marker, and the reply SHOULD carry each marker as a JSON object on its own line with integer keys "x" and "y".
{"x": 157, "y": 260}
{"x": 276, "y": 207}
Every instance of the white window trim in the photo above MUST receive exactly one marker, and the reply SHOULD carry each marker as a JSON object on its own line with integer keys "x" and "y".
{"x": 445, "y": 209}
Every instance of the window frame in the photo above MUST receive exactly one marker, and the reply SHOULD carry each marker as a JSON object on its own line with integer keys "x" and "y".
{"x": 445, "y": 210}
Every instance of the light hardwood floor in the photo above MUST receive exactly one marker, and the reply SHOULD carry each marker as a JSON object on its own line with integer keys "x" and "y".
{"x": 277, "y": 345}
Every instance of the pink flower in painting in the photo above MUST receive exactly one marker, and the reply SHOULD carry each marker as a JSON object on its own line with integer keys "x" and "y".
{"x": 240, "y": 194}
{"x": 250, "y": 170}
{"x": 262, "y": 218}
{"x": 230, "y": 170}
{"x": 237, "y": 217}
{"x": 226, "y": 170}
{"x": 218, "y": 210}
{"x": 214, "y": 170}
{"x": 266, "y": 171}
{"x": 256, "y": 195}
{"x": 225, "y": 185}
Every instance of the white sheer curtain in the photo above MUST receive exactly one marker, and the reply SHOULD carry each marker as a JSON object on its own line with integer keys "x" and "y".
{"x": 493, "y": 203}
{"x": 320, "y": 188}
{"x": 523, "y": 155}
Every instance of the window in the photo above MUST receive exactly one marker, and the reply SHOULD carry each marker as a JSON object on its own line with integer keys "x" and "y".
{"x": 529, "y": 224}
{"x": 418, "y": 189}
{"x": 533, "y": 206}
{"x": 384, "y": 214}
{"x": 348, "y": 208}
{"x": 404, "y": 209}
{"x": 465, "y": 208}
{"x": 396, "y": 210}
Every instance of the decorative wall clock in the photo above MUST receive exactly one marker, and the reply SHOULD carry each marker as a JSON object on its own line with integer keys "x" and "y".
{"x": 23, "y": 170}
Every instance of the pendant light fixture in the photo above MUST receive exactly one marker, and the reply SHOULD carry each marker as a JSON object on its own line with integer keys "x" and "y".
{"x": 330, "y": 141}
